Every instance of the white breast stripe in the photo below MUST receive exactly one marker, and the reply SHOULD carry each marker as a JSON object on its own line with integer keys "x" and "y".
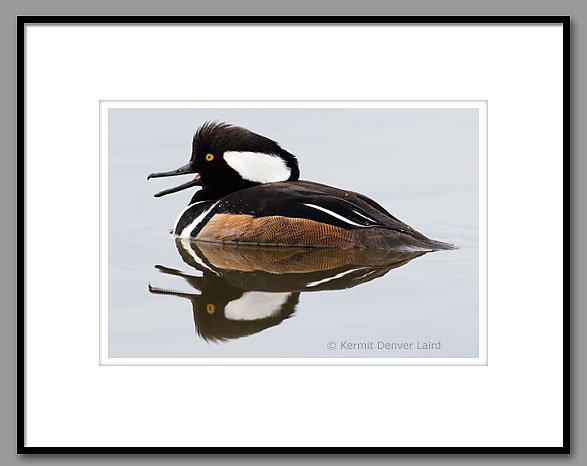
{"x": 183, "y": 212}
{"x": 187, "y": 230}
{"x": 253, "y": 305}
{"x": 186, "y": 245}
{"x": 340, "y": 217}
{"x": 338, "y": 275}
{"x": 258, "y": 167}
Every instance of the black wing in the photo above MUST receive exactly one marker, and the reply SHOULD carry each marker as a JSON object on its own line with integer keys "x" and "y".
{"x": 312, "y": 201}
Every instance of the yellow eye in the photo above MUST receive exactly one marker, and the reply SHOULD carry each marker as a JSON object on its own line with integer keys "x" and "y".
{"x": 210, "y": 307}
{"x": 209, "y": 157}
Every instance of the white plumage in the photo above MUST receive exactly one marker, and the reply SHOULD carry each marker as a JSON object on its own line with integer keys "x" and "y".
{"x": 257, "y": 166}
{"x": 254, "y": 305}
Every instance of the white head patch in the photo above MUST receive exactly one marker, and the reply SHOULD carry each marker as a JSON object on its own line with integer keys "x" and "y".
{"x": 257, "y": 166}
{"x": 253, "y": 305}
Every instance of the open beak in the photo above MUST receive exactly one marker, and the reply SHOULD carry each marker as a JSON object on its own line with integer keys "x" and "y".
{"x": 186, "y": 169}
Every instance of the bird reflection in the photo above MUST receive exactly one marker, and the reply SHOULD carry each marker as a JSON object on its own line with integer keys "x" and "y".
{"x": 246, "y": 289}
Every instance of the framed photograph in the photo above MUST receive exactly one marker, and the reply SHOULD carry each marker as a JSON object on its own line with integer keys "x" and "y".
{"x": 294, "y": 234}
{"x": 255, "y": 301}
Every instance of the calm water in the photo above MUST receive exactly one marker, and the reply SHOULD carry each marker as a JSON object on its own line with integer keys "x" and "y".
{"x": 173, "y": 298}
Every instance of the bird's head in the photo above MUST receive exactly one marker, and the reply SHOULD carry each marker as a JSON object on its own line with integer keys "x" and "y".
{"x": 227, "y": 158}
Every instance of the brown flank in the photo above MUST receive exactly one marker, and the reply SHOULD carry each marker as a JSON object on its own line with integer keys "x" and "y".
{"x": 276, "y": 230}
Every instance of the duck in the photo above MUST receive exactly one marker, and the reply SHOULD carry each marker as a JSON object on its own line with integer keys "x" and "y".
{"x": 241, "y": 290}
{"x": 250, "y": 193}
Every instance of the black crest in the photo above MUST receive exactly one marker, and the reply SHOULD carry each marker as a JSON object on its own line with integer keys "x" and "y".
{"x": 217, "y": 137}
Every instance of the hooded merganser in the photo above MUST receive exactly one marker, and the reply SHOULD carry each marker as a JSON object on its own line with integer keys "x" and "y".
{"x": 242, "y": 290}
{"x": 251, "y": 194}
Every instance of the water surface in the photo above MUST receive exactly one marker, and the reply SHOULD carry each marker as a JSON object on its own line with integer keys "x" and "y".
{"x": 173, "y": 298}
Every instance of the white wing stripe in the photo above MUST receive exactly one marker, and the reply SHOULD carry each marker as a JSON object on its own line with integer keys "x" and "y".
{"x": 364, "y": 216}
{"x": 335, "y": 215}
{"x": 327, "y": 279}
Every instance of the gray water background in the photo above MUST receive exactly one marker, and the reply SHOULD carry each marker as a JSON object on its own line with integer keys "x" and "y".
{"x": 421, "y": 164}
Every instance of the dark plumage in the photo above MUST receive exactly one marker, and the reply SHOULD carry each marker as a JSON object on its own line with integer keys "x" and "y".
{"x": 251, "y": 194}
{"x": 233, "y": 274}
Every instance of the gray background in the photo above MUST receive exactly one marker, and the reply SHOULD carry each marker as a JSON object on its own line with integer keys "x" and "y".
{"x": 422, "y": 164}
{"x": 11, "y": 8}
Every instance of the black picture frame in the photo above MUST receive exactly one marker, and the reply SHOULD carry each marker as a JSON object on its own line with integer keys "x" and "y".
{"x": 22, "y": 21}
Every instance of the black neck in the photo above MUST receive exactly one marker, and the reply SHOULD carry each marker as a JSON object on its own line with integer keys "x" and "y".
{"x": 216, "y": 191}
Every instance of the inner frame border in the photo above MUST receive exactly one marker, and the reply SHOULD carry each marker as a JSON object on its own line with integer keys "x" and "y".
{"x": 480, "y": 105}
